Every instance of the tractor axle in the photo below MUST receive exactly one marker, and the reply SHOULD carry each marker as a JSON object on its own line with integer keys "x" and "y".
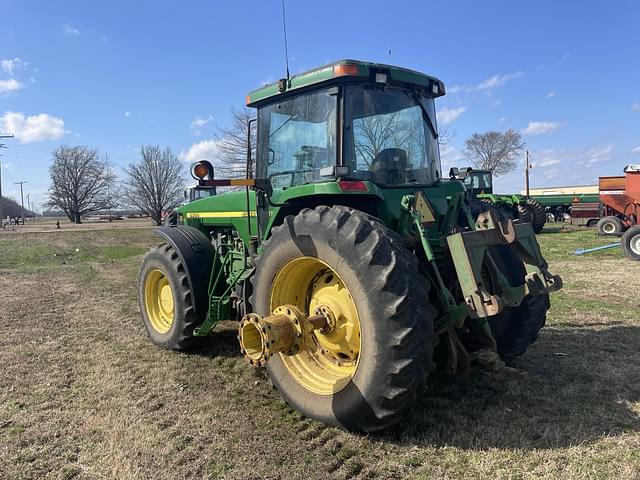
{"x": 286, "y": 331}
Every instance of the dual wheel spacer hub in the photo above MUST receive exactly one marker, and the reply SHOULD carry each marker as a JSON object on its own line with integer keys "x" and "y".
{"x": 286, "y": 331}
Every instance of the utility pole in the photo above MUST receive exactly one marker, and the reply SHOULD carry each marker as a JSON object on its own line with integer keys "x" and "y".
{"x": 21, "y": 196}
{"x": 1, "y": 215}
{"x": 28, "y": 205}
{"x": 526, "y": 173}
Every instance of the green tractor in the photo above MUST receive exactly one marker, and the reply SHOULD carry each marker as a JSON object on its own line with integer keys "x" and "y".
{"x": 353, "y": 267}
{"x": 479, "y": 185}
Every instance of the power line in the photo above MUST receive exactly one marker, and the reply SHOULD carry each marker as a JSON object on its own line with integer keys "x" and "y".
{"x": 1, "y": 214}
{"x": 21, "y": 196}
{"x": 15, "y": 151}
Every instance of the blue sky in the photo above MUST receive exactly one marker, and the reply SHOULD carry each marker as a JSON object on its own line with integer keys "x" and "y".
{"x": 114, "y": 75}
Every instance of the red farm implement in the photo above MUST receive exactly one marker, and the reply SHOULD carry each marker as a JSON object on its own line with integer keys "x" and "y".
{"x": 620, "y": 197}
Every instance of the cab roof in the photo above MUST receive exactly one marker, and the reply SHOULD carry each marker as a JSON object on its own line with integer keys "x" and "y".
{"x": 347, "y": 68}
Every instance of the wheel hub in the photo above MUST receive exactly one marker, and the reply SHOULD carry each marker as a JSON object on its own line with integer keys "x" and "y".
{"x": 329, "y": 357}
{"x": 634, "y": 244}
{"x": 158, "y": 299}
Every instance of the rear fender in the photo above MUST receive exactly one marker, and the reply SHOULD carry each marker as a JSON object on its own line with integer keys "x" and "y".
{"x": 196, "y": 254}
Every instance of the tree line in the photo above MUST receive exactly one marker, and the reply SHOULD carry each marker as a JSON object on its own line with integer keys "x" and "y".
{"x": 84, "y": 182}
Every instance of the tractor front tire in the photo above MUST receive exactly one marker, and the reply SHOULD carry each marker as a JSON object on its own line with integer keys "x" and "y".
{"x": 364, "y": 374}
{"x": 608, "y": 226}
{"x": 165, "y": 299}
{"x": 631, "y": 243}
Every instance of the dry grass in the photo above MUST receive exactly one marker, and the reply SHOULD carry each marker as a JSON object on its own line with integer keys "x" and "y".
{"x": 84, "y": 394}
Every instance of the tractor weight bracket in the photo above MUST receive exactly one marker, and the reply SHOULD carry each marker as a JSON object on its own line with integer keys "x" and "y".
{"x": 470, "y": 252}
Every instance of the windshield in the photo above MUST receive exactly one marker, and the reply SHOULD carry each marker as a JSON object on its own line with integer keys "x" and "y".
{"x": 478, "y": 180}
{"x": 297, "y": 138}
{"x": 390, "y": 136}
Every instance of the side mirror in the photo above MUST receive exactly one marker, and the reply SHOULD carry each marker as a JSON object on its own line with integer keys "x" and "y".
{"x": 454, "y": 172}
{"x": 249, "y": 148}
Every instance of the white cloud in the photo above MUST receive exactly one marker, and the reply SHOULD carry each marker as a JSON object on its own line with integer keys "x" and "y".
{"x": 598, "y": 154}
{"x": 199, "y": 122}
{"x": 636, "y": 149}
{"x": 204, "y": 150}
{"x": 34, "y": 128}
{"x": 543, "y": 159}
{"x": 541, "y": 128}
{"x": 573, "y": 157}
{"x": 10, "y": 85}
{"x": 12, "y": 65}
{"x": 547, "y": 163}
{"x": 498, "y": 80}
{"x": 127, "y": 114}
{"x": 449, "y": 115}
{"x": 636, "y": 107}
{"x": 551, "y": 94}
{"x": 490, "y": 83}
{"x": 450, "y": 156}
{"x": 70, "y": 30}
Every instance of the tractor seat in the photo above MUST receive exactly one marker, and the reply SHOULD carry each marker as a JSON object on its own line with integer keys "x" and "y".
{"x": 390, "y": 166}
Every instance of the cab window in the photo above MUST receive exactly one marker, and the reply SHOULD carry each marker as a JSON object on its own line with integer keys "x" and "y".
{"x": 297, "y": 139}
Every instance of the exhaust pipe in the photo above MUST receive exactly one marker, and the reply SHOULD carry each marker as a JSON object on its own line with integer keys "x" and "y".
{"x": 283, "y": 332}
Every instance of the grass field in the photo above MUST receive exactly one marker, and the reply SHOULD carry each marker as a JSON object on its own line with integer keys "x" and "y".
{"x": 84, "y": 394}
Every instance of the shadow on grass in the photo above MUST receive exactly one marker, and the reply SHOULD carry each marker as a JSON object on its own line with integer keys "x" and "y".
{"x": 222, "y": 342}
{"x": 579, "y": 388}
{"x": 551, "y": 230}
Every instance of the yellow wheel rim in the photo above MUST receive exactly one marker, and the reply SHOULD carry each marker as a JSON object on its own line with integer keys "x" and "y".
{"x": 158, "y": 301}
{"x": 331, "y": 358}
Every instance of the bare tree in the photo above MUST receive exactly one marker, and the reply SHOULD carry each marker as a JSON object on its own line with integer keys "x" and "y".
{"x": 232, "y": 145}
{"x": 375, "y": 133}
{"x": 445, "y": 134}
{"x": 80, "y": 182}
{"x": 155, "y": 183}
{"x": 495, "y": 151}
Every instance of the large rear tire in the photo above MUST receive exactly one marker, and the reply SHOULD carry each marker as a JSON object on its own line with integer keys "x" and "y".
{"x": 525, "y": 214}
{"x": 631, "y": 243}
{"x": 165, "y": 299}
{"x": 361, "y": 269}
{"x": 538, "y": 215}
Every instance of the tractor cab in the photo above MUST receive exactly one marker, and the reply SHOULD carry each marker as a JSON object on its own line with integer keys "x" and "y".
{"x": 197, "y": 192}
{"x": 476, "y": 182}
{"x": 349, "y": 120}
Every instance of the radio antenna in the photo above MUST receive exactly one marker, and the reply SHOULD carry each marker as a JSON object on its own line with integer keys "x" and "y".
{"x": 284, "y": 28}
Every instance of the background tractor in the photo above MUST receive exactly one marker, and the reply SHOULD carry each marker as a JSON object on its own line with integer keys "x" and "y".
{"x": 353, "y": 267}
{"x": 479, "y": 185}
